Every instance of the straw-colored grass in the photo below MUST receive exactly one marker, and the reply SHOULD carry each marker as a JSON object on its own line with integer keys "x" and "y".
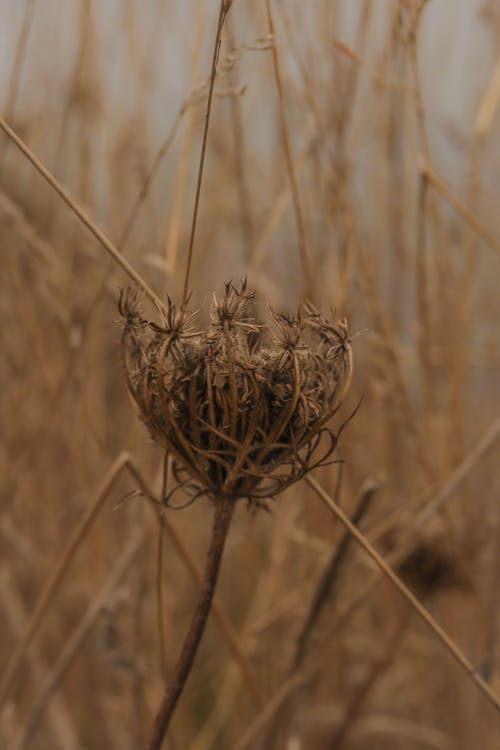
{"x": 350, "y": 155}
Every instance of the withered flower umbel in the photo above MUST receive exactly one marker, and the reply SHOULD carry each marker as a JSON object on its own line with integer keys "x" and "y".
{"x": 242, "y": 407}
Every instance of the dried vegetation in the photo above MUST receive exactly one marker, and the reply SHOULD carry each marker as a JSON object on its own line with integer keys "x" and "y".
{"x": 391, "y": 114}
{"x": 242, "y": 408}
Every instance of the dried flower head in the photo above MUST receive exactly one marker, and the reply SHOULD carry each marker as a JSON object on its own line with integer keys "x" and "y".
{"x": 242, "y": 407}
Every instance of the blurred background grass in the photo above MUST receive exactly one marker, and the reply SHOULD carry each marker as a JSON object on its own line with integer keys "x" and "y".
{"x": 379, "y": 98}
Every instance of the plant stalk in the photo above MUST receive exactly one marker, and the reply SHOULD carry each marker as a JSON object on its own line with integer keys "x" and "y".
{"x": 223, "y": 514}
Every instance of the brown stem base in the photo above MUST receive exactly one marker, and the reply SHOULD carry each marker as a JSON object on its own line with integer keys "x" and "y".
{"x": 223, "y": 513}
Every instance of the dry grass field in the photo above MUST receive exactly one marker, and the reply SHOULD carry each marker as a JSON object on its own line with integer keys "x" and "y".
{"x": 353, "y": 159}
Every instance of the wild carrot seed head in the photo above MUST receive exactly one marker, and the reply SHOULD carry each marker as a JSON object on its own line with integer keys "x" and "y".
{"x": 241, "y": 406}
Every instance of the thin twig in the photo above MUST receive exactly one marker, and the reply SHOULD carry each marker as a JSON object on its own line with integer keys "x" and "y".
{"x": 438, "y": 631}
{"x": 224, "y": 10}
{"x": 91, "y": 226}
{"x": 179, "y": 183}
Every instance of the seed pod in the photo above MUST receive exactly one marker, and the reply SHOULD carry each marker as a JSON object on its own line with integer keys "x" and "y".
{"x": 242, "y": 407}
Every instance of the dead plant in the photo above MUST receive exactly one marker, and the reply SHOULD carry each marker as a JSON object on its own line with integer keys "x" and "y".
{"x": 242, "y": 407}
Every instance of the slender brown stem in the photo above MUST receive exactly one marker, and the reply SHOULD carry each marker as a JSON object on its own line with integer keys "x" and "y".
{"x": 223, "y": 513}
{"x": 224, "y": 10}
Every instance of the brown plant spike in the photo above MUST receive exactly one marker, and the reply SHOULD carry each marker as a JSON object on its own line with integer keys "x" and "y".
{"x": 242, "y": 407}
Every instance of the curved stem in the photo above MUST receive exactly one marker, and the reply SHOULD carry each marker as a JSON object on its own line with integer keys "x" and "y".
{"x": 223, "y": 513}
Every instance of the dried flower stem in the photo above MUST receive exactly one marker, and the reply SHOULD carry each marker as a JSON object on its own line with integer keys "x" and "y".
{"x": 223, "y": 513}
{"x": 224, "y": 10}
